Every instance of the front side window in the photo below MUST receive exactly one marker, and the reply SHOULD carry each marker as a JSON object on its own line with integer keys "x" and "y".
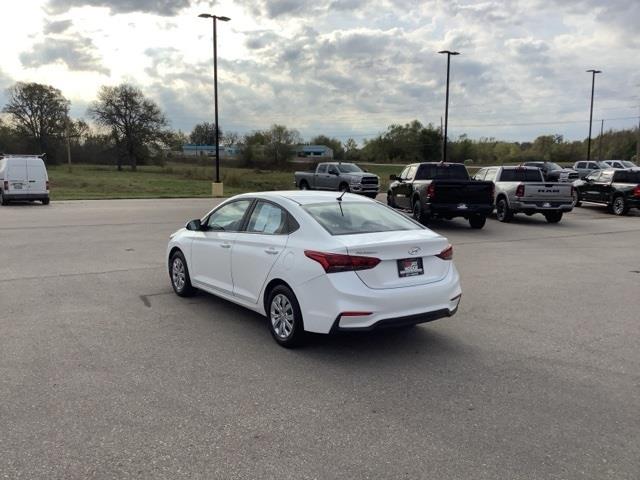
{"x": 606, "y": 176}
{"x": 333, "y": 170}
{"x": 404, "y": 173}
{"x": 229, "y": 217}
{"x": 480, "y": 175}
{"x": 627, "y": 164}
{"x": 349, "y": 218}
{"x": 593, "y": 165}
{"x": 349, "y": 168}
{"x": 593, "y": 176}
{"x": 491, "y": 175}
{"x": 267, "y": 218}
{"x": 412, "y": 172}
{"x": 581, "y": 165}
{"x": 322, "y": 168}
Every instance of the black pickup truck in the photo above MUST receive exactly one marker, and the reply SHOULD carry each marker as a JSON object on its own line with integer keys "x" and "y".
{"x": 441, "y": 190}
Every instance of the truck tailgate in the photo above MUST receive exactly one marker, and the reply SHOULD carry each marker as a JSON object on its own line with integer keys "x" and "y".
{"x": 462, "y": 191}
{"x": 547, "y": 192}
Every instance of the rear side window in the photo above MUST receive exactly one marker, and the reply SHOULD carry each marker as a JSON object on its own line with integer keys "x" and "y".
{"x": 593, "y": 165}
{"x": 626, "y": 177}
{"x": 451, "y": 171}
{"x": 520, "y": 175}
{"x": 581, "y": 165}
{"x": 349, "y": 218}
{"x": 267, "y": 218}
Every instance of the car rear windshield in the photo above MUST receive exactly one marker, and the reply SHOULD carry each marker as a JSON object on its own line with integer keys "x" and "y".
{"x": 350, "y": 218}
{"x": 450, "y": 171}
{"x": 626, "y": 177}
{"x": 520, "y": 175}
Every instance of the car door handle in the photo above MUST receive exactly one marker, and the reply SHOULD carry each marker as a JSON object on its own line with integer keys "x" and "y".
{"x": 271, "y": 251}
{"x": 32, "y": 181}
{"x": 225, "y": 245}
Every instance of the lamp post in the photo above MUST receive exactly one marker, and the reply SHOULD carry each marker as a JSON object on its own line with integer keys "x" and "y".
{"x": 593, "y": 83}
{"x": 446, "y": 104}
{"x": 216, "y": 188}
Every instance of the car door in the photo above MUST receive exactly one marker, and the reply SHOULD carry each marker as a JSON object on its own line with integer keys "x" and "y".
{"x": 17, "y": 176}
{"x": 581, "y": 168}
{"x": 602, "y": 187}
{"x": 322, "y": 177}
{"x": 257, "y": 248}
{"x": 587, "y": 191}
{"x": 211, "y": 247}
{"x": 37, "y": 176}
{"x": 333, "y": 179}
{"x": 397, "y": 189}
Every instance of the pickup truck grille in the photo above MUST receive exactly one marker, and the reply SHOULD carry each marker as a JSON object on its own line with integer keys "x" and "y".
{"x": 369, "y": 181}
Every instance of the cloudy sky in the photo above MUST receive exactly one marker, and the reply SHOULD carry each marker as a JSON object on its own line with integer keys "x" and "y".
{"x": 341, "y": 67}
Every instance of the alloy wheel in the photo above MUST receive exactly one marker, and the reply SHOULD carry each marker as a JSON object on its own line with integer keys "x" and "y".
{"x": 618, "y": 206}
{"x": 281, "y": 315}
{"x": 178, "y": 274}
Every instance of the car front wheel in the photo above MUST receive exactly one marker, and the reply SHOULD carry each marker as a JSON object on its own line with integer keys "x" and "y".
{"x": 503, "y": 212}
{"x": 619, "y": 206}
{"x": 179, "y": 274}
{"x": 285, "y": 317}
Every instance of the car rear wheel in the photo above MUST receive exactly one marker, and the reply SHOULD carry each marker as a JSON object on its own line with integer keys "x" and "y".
{"x": 390, "y": 201}
{"x": 285, "y": 317}
{"x": 418, "y": 212}
{"x": 304, "y": 185}
{"x": 553, "y": 217}
{"x": 503, "y": 212}
{"x": 3, "y": 200}
{"x": 619, "y": 206}
{"x": 45, "y": 201}
{"x": 477, "y": 221}
{"x": 577, "y": 202}
{"x": 179, "y": 274}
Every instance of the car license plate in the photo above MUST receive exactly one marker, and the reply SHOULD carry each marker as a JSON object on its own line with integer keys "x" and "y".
{"x": 410, "y": 267}
{"x": 462, "y": 206}
{"x": 546, "y": 205}
{"x": 17, "y": 186}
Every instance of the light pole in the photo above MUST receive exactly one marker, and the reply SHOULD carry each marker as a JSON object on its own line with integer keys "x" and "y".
{"x": 216, "y": 188}
{"x": 446, "y": 104}
{"x": 593, "y": 83}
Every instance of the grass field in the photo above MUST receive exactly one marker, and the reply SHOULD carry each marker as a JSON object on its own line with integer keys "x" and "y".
{"x": 172, "y": 180}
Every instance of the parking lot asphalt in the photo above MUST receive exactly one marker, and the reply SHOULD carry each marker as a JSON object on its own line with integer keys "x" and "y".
{"x": 105, "y": 373}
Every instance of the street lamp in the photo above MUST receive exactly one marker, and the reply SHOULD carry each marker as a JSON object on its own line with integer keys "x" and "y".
{"x": 446, "y": 105}
{"x": 216, "y": 188}
{"x": 593, "y": 83}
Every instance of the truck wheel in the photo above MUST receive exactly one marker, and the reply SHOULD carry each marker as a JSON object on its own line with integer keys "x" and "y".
{"x": 390, "y": 201}
{"x": 576, "y": 199}
{"x": 3, "y": 201}
{"x": 418, "y": 212}
{"x": 477, "y": 221}
{"x": 344, "y": 187}
{"x": 553, "y": 217}
{"x": 304, "y": 185}
{"x": 45, "y": 201}
{"x": 619, "y": 206}
{"x": 503, "y": 212}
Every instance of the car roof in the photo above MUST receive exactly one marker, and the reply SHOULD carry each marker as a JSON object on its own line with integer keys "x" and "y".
{"x": 305, "y": 197}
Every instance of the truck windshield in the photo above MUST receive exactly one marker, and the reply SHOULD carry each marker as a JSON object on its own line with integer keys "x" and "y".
{"x": 358, "y": 217}
{"x": 520, "y": 175}
{"x": 446, "y": 171}
{"x": 349, "y": 168}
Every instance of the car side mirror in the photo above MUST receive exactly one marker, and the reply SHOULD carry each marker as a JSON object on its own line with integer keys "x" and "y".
{"x": 194, "y": 225}
{"x": 393, "y": 176}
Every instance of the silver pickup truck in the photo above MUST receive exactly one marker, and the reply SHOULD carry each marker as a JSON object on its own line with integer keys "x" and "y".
{"x": 523, "y": 190}
{"x": 339, "y": 177}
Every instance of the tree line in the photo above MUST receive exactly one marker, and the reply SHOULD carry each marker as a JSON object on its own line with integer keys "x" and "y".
{"x": 131, "y": 129}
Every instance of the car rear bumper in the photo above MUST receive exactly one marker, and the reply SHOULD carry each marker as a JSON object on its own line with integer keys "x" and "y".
{"x": 458, "y": 209}
{"x": 25, "y": 196}
{"x": 536, "y": 206}
{"x": 326, "y": 298}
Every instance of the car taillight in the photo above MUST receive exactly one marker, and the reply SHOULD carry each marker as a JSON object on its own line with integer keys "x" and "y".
{"x": 337, "y": 262}
{"x": 446, "y": 254}
{"x": 636, "y": 191}
{"x": 431, "y": 191}
{"x": 520, "y": 190}
{"x": 6, "y": 185}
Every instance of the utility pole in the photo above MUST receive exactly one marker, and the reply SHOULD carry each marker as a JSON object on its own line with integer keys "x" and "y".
{"x": 593, "y": 83}
{"x": 600, "y": 141}
{"x": 638, "y": 140}
{"x": 68, "y": 141}
{"x": 441, "y": 141}
{"x": 448, "y": 53}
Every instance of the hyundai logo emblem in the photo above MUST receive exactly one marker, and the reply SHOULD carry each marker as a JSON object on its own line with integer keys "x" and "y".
{"x": 414, "y": 251}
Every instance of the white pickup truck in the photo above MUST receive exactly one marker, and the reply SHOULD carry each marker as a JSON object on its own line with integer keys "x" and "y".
{"x": 523, "y": 190}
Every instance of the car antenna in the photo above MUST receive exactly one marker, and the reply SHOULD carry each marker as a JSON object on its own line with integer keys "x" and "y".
{"x": 339, "y": 199}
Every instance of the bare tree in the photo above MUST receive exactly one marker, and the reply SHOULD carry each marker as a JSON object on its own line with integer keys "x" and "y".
{"x": 135, "y": 121}
{"x": 39, "y": 112}
{"x": 204, "y": 134}
{"x": 230, "y": 138}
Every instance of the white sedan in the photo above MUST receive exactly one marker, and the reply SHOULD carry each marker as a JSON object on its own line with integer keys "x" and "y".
{"x": 317, "y": 262}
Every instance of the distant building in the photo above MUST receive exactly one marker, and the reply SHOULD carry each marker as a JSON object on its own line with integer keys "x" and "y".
{"x": 314, "y": 151}
{"x": 190, "y": 149}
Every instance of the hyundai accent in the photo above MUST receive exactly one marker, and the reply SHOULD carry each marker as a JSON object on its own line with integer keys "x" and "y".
{"x": 316, "y": 262}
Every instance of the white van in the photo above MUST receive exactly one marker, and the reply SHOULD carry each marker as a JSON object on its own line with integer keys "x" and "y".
{"x": 23, "y": 177}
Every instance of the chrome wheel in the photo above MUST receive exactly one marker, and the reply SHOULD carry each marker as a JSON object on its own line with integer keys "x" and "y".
{"x": 178, "y": 275}
{"x": 282, "y": 316}
{"x": 618, "y": 206}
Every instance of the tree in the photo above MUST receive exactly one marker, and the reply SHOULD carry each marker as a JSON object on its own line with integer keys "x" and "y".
{"x": 230, "y": 138}
{"x": 135, "y": 122}
{"x": 333, "y": 143}
{"x": 412, "y": 142}
{"x": 204, "y": 134}
{"x": 351, "y": 150}
{"x": 39, "y": 112}
{"x": 280, "y": 143}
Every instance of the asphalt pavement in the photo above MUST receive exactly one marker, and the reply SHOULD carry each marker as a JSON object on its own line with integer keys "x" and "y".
{"x": 105, "y": 373}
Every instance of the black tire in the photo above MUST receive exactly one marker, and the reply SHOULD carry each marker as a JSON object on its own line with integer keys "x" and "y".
{"x": 477, "y": 221}
{"x": 418, "y": 212}
{"x": 344, "y": 187}
{"x": 45, "y": 201}
{"x": 371, "y": 195}
{"x": 183, "y": 287}
{"x": 503, "y": 212}
{"x": 283, "y": 304}
{"x": 304, "y": 185}
{"x": 390, "y": 201}
{"x": 577, "y": 201}
{"x": 619, "y": 205}
{"x": 553, "y": 217}
{"x": 3, "y": 201}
